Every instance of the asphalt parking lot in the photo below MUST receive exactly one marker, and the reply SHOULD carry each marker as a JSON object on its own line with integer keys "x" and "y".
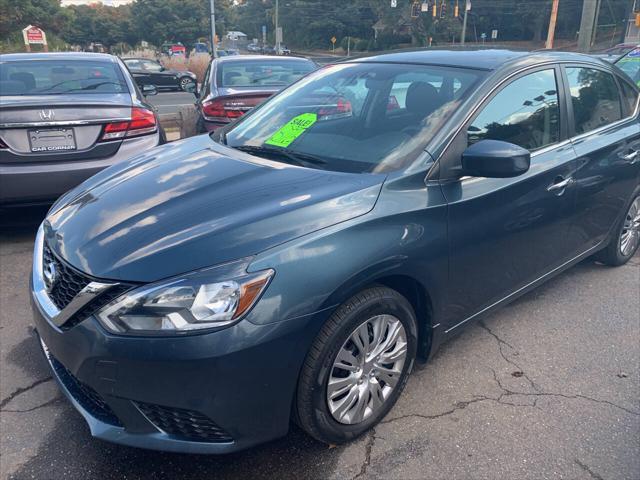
{"x": 549, "y": 387}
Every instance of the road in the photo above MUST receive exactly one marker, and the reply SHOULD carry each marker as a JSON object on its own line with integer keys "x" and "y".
{"x": 547, "y": 388}
{"x": 170, "y": 102}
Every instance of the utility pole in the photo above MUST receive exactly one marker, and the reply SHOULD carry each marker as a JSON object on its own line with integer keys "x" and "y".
{"x": 587, "y": 22}
{"x": 464, "y": 22}
{"x": 277, "y": 31}
{"x": 213, "y": 29}
{"x": 552, "y": 24}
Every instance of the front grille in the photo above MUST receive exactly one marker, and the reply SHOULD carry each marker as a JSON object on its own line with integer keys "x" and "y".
{"x": 95, "y": 305}
{"x": 86, "y": 396}
{"x": 184, "y": 424}
{"x": 68, "y": 283}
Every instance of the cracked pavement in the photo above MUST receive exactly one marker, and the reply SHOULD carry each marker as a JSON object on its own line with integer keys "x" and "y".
{"x": 548, "y": 387}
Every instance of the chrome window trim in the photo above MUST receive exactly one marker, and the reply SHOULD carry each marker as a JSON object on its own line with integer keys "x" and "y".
{"x": 550, "y": 63}
{"x": 47, "y": 307}
{"x": 64, "y": 123}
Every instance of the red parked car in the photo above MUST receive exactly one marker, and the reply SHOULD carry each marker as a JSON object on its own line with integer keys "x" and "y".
{"x": 235, "y": 84}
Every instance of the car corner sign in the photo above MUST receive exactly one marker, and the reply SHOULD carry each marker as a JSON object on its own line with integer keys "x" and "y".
{"x": 34, "y": 36}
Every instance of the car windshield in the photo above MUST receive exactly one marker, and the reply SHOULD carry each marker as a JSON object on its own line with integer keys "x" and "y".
{"x": 242, "y": 73}
{"x": 56, "y": 77}
{"x": 358, "y": 117}
{"x": 630, "y": 64}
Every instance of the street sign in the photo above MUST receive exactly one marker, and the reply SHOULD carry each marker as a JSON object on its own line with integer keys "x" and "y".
{"x": 334, "y": 39}
{"x": 415, "y": 9}
{"x": 34, "y": 36}
{"x": 494, "y": 34}
{"x": 483, "y": 36}
{"x": 394, "y": 3}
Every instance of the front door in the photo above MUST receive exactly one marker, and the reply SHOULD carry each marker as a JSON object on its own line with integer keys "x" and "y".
{"x": 505, "y": 233}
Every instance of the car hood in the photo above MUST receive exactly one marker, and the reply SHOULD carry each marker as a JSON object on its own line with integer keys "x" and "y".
{"x": 193, "y": 204}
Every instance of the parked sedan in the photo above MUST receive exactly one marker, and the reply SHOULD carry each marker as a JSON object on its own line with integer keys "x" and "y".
{"x": 64, "y": 117}
{"x": 295, "y": 264}
{"x": 151, "y": 72}
{"x": 234, "y": 85}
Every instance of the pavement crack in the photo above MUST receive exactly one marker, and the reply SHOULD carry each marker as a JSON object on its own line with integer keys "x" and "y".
{"x": 367, "y": 454}
{"x": 22, "y": 390}
{"x": 502, "y": 342}
{"x": 27, "y": 410}
{"x": 584, "y": 467}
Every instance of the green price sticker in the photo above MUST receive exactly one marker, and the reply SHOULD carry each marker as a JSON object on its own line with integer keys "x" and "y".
{"x": 292, "y": 130}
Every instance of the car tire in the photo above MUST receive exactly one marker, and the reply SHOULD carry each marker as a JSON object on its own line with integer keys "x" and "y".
{"x": 163, "y": 136}
{"x": 183, "y": 82}
{"x": 328, "y": 420}
{"x": 617, "y": 252}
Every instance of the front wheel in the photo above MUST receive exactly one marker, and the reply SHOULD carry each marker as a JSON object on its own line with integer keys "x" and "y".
{"x": 358, "y": 366}
{"x": 626, "y": 239}
{"x": 184, "y": 81}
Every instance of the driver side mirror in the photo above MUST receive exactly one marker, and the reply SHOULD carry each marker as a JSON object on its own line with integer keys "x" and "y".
{"x": 149, "y": 90}
{"x": 495, "y": 159}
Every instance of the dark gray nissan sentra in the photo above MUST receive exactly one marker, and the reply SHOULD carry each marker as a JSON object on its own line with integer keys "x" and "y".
{"x": 203, "y": 295}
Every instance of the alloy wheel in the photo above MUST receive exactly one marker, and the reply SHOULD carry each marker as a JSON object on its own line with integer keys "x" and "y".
{"x": 367, "y": 369}
{"x": 630, "y": 235}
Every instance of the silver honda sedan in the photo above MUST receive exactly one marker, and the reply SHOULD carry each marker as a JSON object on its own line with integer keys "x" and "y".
{"x": 63, "y": 118}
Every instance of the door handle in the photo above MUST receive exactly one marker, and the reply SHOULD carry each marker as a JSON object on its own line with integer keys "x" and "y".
{"x": 559, "y": 185}
{"x": 631, "y": 157}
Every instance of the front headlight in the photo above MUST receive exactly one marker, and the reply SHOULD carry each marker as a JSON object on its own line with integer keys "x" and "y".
{"x": 204, "y": 299}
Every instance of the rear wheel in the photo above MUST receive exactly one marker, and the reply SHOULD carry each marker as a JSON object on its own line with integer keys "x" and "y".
{"x": 184, "y": 81}
{"x": 626, "y": 239}
{"x": 358, "y": 366}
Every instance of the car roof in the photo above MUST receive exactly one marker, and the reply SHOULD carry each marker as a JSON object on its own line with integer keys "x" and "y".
{"x": 479, "y": 59}
{"x": 258, "y": 58}
{"x": 104, "y": 57}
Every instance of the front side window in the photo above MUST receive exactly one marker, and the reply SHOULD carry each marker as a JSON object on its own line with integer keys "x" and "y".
{"x": 525, "y": 113}
{"x": 152, "y": 66}
{"x": 595, "y": 98}
{"x": 356, "y": 117}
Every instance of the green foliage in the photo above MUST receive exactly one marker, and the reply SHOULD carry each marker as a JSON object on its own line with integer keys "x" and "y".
{"x": 307, "y": 24}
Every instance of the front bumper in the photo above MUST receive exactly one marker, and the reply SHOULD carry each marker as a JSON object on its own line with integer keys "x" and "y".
{"x": 209, "y": 393}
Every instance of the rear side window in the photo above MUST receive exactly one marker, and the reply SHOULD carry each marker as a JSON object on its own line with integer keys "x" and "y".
{"x": 525, "y": 113}
{"x": 629, "y": 98}
{"x": 58, "y": 77}
{"x": 595, "y": 98}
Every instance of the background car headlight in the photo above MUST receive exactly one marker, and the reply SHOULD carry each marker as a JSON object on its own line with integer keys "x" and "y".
{"x": 204, "y": 299}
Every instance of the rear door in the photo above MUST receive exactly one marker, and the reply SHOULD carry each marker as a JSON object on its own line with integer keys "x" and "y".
{"x": 158, "y": 76}
{"x": 606, "y": 137}
{"x": 505, "y": 233}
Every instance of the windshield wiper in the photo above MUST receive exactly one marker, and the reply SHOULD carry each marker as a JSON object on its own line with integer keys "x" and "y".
{"x": 298, "y": 158}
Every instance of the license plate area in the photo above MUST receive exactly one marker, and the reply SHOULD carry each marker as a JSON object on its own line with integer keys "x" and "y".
{"x": 52, "y": 140}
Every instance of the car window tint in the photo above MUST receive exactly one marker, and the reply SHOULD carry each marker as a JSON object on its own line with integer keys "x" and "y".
{"x": 152, "y": 66}
{"x": 262, "y": 73}
{"x": 444, "y": 88}
{"x": 525, "y": 113}
{"x": 629, "y": 98}
{"x": 61, "y": 76}
{"x": 133, "y": 64}
{"x": 595, "y": 98}
{"x": 630, "y": 64}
